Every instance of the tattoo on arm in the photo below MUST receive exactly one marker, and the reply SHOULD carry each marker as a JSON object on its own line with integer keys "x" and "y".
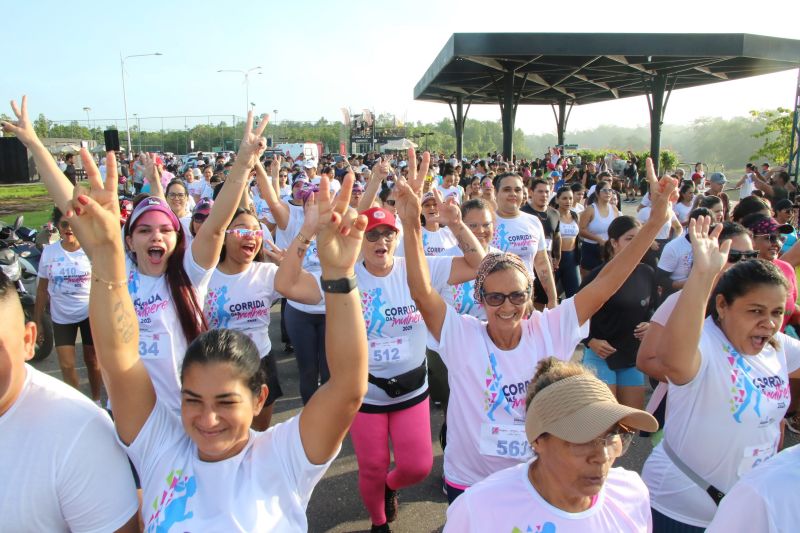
{"x": 465, "y": 245}
{"x": 124, "y": 321}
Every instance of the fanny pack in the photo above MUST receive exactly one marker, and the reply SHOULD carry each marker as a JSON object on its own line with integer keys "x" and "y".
{"x": 710, "y": 489}
{"x": 402, "y": 383}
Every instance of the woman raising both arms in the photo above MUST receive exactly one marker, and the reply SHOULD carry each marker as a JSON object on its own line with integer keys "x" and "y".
{"x": 206, "y": 470}
{"x": 496, "y": 359}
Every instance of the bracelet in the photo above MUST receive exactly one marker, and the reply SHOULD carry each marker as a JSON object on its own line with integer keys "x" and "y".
{"x": 111, "y": 284}
{"x": 302, "y": 239}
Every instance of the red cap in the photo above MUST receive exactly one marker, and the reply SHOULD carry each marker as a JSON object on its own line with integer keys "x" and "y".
{"x": 378, "y": 216}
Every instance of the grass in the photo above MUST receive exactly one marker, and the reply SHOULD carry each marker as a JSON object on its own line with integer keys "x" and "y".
{"x": 29, "y": 200}
{"x": 33, "y": 219}
{"x": 21, "y": 192}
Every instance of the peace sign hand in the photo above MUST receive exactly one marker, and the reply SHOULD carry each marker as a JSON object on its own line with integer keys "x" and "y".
{"x": 23, "y": 127}
{"x": 416, "y": 175}
{"x": 708, "y": 255}
{"x": 94, "y": 215}
{"x": 253, "y": 143}
{"x": 449, "y": 212}
{"x": 407, "y": 201}
{"x": 341, "y": 229}
{"x": 663, "y": 194}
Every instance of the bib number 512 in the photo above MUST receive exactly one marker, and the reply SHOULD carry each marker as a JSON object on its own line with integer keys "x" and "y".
{"x": 389, "y": 354}
{"x": 512, "y": 448}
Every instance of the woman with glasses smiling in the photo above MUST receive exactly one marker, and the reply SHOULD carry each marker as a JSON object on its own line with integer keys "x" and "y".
{"x": 396, "y": 406}
{"x": 577, "y": 430}
{"x": 491, "y": 363}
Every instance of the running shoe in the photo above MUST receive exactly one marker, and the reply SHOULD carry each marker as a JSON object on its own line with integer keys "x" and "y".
{"x": 793, "y": 423}
{"x": 390, "y": 502}
{"x": 288, "y": 348}
{"x": 384, "y": 528}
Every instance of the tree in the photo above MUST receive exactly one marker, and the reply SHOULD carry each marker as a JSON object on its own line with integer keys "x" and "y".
{"x": 41, "y": 126}
{"x": 777, "y": 134}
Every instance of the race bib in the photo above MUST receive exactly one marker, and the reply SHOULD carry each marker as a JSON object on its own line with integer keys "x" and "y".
{"x": 153, "y": 345}
{"x": 389, "y": 350}
{"x": 505, "y": 440}
{"x": 754, "y": 456}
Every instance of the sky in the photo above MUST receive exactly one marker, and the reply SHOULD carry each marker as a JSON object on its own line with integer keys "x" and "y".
{"x": 320, "y": 56}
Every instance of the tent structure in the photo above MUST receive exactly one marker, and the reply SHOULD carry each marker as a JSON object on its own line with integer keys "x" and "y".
{"x": 398, "y": 144}
{"x": 565, "y": 69}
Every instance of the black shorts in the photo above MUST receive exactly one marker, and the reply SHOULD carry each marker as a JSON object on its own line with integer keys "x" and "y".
{"x": 65, "y": 334}
{"x": 539, "y": 296}
{"x": 273, "y": 384}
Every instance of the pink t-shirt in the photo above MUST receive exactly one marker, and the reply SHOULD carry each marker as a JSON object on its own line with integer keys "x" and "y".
{"x": 791, "y": 298}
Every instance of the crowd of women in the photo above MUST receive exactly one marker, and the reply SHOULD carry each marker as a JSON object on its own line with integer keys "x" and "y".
{"x": 404, "y": 286}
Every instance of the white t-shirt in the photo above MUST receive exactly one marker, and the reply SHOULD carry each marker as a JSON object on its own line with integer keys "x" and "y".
{"x": 242, "y": 302}
{"x": 488, "y": 387}
{"x": 69, "y": 277}
{"x": 460, "y": 297}
{"x": 60, "y": 465}
{"x": 764, "y": 499}
{"x": 196, "y": 187}
{"x": 721, "y": 424}
{"x": 522, "y": 235}
{"x": 682, "y": 211}
{"x": 162, "y": 344}
{"x": 265, "y": 487}
{"x": 284, "y": 237}
{"x": 748, "y": 186}
{"x": 676, "y": 258}
{"x": 396, "y": 333}
{"x": 451, "y": 191}
{"x": 644, "y": 215}
{"x": 186, "y": 225}
{"x": 507, "y": 501}
{"x": 579, "y": 208}
{"x": 436, "y": 242}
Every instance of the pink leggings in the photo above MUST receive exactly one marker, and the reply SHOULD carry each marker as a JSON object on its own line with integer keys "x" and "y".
{"x": 410, "y": 431}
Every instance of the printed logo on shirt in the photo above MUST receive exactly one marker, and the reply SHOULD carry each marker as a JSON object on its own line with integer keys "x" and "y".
{"x": 377, "y": 314}
{"x": 463, "y": 301}
{"x": 504, "y": 241}
{"x": 547, "y": 527}
{"x": 170, "y": 508}
{"x": 508, "y": 397}
{"x": 133, "y": 282}
{"x": 150, "y": 306}
{"x": 220, "y": 311}
{"x": 747, "y": 391}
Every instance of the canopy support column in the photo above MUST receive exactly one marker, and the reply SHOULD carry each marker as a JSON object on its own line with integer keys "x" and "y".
{"x": 657, "y": 103}
{"x": 459, "y": 120}
{"x": 562, "y": 117}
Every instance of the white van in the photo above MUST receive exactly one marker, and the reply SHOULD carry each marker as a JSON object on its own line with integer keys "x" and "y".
{"x": 295, "y": 150}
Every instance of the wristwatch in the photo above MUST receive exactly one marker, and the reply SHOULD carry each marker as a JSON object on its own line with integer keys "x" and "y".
{"x": 338, "y": 286}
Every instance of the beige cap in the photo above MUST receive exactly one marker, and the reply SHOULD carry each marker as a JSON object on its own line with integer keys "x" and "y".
{"x": 580, "y": 408}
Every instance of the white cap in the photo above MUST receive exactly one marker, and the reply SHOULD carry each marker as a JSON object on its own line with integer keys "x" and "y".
{"x": 310, "y": 163}
{"x": 403, "y": 164}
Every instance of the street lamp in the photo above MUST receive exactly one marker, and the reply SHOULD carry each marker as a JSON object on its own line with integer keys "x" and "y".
{"x": 246, "y": 74}
{"x": 124, "y": 96}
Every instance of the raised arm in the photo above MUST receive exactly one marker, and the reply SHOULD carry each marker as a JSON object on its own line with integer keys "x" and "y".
{"x": 210, "y": 237}
{"x": 379, "y": 173}
{"x": 291, "y": 280}
{"x": 464, "y": 268}
{"x": 592, "y": 297}
{"x": 326, "y": 418}
{"x": 678, "y": 352}
{"x": 279, "y": 210}
{"x": 153, "y": 176}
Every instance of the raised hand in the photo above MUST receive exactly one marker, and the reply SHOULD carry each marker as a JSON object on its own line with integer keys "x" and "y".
{"x": 663, "y": 193}
{"x": 94, "y": 214}
{"x": 253, "y": 143}
{"x": 341, "y": 229}
{"x": 23, "y": 127}
{"x": 407, "y": 202}
{"x": 311, "y": 218}
{"x": 273, "y": 252}
{"x": 449, "y": 212}
{"x": 381, "y": 169}
{"x": 708, "y": 255}
{"x": 416, "y": 175}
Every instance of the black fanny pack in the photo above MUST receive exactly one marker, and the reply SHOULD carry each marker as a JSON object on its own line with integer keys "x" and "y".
{"x": 403, "y": 383}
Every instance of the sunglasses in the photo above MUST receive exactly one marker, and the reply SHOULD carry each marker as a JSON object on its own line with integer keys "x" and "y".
{"x": 734, "y": 256}
{"x": 199, "y": 217}
{"x": 496, "y": 299}
{"x": 373, "y": 235}
{"x": 176, "y": 195}
{"x": 243, "y": 233}
{"x": 774, "y": 238}
{"x": 390, "y": 202}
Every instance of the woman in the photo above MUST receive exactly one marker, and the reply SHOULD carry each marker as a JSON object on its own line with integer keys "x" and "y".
{"x": 618, "y": 327}
{"x": 240, "y": 294}
{"x": 570, "y": 485}
{"x": 474, "y": 189}
{"x": 436, "y": 238}
{"x": 594, "y": 227}
{"x": 199, "y": 215}
{"x": 207, "y": 471}
{"x": 63, "y": 290}
{"x": 683, "y": 206}
{"x": 727, "y": 381}
{"x": 520, "y": 233}
{"x": 396, "y": 406}
{"x": 490, "y": 363}
{"x": 178, "y": 198}
{"x": 305, "y": 323}
{"x": 713, "y": 204}
{"x": 569, "y": 229}
{"x": 487, "y": 187}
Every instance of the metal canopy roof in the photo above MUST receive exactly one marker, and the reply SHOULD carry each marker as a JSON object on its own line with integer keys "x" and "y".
{"x": 583, "y": 68}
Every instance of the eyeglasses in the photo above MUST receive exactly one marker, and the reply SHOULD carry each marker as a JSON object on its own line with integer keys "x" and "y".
{"x": 176, "y": 195}
{"x": 473, "y": 227}
{"x": 373, "y": 235}
{"x": 283, "y": 175}
{"x": 496, "y": 299}
{"x": 390, "y": 202}
{"x": 734, "y": 256}
{"x": 774, "y": 238}
{"x": 199, "y": 217}
{"x": 242, "y": 232}
{"x": 616, "y": 442}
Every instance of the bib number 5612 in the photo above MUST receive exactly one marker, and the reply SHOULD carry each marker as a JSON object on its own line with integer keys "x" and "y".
{"x": 512, "y": 448}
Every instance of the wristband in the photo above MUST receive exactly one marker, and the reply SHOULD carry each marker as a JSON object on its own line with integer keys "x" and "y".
{"x": 302, "y": 239}
{"x": 338, "y": 286}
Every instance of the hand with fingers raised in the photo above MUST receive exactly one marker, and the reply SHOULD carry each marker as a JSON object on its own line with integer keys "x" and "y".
{"x": 708, "y": 255}
{"x": 22, "y": 128}
{"x": 449, "y": 212}
{"x": 253, "y": 143}
{"x": 663, "y": 194}
{"x": 273, "y": 252}
{"x": 407, "y": 202}
{"x": 416, "y": 174}
{"x": 341, "y": 230}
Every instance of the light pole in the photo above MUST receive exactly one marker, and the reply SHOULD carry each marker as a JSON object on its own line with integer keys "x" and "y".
{"x": 276, "y": 138}
{"x": 246, "y": 74}
{"x": 88, "y": 121}
{"x": 124, "y": 96}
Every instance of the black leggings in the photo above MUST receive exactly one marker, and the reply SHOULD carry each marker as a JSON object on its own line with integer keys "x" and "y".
{"x": 307, "y": 331}
{"x": 66, "y": 334}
